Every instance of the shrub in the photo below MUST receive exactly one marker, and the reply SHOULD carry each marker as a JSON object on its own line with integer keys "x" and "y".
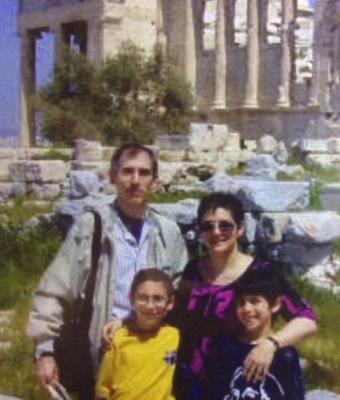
{"x": 24, "y": 253}
{"x": 127, "y": 98}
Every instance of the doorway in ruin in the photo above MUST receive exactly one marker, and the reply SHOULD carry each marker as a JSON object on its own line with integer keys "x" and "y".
{"x": 44, "y": 52}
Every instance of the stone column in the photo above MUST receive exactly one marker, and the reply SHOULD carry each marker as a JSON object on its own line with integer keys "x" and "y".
{"x": 27, "y": 87}
{"x": 94, "y": 45}
{"x": 161, "y": 36}
{"x": 253, "y": 54}
{"x": 58, "y": 42}
{"x": 190, "y": 46}
{"x": 220, "y": 61}
{"x": 230, "y": 25}
{"x": 263, "y": 19}
{"x": 286, "y": 53}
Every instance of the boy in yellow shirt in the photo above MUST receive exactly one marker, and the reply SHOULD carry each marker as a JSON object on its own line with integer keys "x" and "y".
{"x": 141, "y": 361}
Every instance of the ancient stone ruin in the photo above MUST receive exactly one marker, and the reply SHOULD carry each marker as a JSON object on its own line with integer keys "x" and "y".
{"x": 248, "y": 61}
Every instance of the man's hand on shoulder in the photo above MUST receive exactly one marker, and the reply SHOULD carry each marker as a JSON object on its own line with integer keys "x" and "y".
{"x": 109, "y": 331}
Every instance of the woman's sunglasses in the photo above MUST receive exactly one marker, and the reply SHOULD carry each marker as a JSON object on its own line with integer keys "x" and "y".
{"x": 223, "y": 226}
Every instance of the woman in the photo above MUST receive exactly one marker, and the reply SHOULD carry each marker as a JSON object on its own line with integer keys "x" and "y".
{"x": 206, "y": 292}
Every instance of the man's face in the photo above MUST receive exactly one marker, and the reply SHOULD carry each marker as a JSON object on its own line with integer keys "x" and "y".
{"x": 133, "y": 179}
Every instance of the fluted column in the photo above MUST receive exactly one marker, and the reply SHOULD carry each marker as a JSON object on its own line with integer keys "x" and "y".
{"x": 58, "y": 42}
{"x": 94, "y": 44}
{"x": 263, "y": 19}
{"x": 161, "y": 37}
{"x": 27, "y": 80}
{"x": 221, "y": 61}
{"x": 190, "y": 46}
{"x": 253, "y": 54}
{"x": 286, "y": 53}
{"x": 230, "y": 26}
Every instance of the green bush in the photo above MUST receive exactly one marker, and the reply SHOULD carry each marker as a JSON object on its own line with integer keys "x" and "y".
{"x": 128, "y": 98}
{"x": 24, "y": 252}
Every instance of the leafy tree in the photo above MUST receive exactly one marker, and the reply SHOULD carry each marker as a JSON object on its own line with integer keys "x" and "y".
{"x": 128, "y": 97}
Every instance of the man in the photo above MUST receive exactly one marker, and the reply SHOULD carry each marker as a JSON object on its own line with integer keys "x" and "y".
{"x": 133, "y": 237}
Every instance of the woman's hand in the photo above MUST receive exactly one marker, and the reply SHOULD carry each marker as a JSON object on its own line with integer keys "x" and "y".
{"x": 109, "y": 331}
{"x": 258, "y": 361}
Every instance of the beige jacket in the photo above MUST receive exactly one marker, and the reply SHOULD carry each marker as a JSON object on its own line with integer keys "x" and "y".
{"x": 64, "y": 280}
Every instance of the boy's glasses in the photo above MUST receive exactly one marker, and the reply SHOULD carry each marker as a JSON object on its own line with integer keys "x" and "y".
{"x": 157, "y": 301}
{"x": 223, "y": 226}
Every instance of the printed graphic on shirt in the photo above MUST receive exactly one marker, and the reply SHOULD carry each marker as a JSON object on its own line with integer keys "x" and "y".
{"x": 269, "y": 389}
{"x": 170, "y": 357}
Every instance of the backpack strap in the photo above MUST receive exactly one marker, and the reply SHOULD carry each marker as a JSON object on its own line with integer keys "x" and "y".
{"x": 85, "y": 309}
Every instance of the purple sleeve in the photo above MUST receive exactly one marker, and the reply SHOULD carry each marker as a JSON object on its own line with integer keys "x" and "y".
{"x": 293, "y": 305}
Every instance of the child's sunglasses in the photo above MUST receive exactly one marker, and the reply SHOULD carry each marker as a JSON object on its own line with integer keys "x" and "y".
{"x": 223, "y": 226}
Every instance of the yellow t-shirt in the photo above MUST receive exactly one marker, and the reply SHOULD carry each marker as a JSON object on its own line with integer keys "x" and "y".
{"x": 138, "y": 368}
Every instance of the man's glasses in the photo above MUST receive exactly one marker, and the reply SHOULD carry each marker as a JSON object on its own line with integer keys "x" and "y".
{"x": 223, "y": 226}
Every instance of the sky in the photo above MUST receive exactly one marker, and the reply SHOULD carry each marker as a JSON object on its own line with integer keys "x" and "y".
{"x": 9, "y": 67}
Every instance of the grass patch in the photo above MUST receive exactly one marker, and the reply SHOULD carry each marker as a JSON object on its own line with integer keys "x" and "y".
{"x": 323, "y": 174}
{"x": 173, "y": 197}
{"x": 52, "y": 154}
{"x": 315, "y": 191}
{"x": 282, "y": 177}
{"x": 321, "y": 351}
{"x": 336, "y": 247}
{"x": 24, "y": 253}
{"x": 240, "y": 169}
{"x": 17, "y": 371}
{"x": 20, "y": 213}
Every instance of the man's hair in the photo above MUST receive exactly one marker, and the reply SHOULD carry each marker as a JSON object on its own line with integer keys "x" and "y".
{"x": 131, "y": 150}
{"x": 261, "y": 282}
{"x": 217, "y": 200}
{"x": 153, "y": 275}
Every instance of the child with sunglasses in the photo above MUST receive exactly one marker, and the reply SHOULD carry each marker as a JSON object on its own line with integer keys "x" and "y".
{"x": 141, "y": 361}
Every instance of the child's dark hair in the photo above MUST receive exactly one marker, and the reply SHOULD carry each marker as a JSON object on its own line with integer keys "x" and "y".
{"x": 217, "y": 200}
{"x": 153, "y": 275}
{"x": 262, "y": 282}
